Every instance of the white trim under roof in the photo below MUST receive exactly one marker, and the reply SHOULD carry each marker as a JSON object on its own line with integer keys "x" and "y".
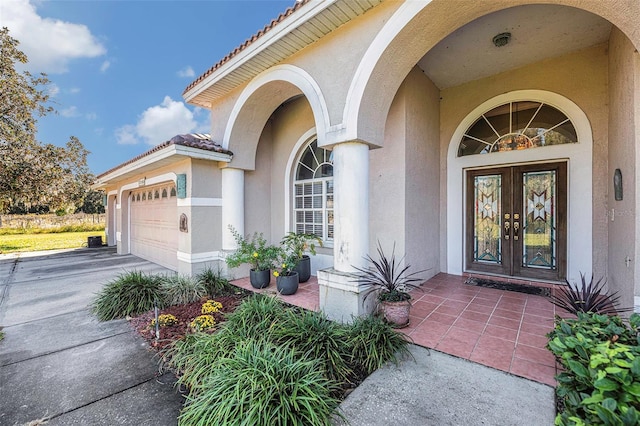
{"x": 172, "y": 150}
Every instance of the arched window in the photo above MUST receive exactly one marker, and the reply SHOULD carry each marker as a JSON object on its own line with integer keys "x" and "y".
{"x": 313, "y": 192}
{"x": 515, "y": 126}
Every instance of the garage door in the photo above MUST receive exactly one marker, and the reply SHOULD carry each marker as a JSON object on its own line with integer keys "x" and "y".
{"x": 154, "y": 225}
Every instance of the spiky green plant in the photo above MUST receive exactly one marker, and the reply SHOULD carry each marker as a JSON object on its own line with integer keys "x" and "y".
{"x": 587, "y": 297}
{"x": 313, "y": 336}
{"x": 373, "y": 343}
{"x": 386, "y": 279}
{"x": 256, "y": 316}
{"x": 181, "y": 289}
{"x": 262, "y": 384}
{"x": 195, "y": 356}
{"x": 131, "y": 293}
{"x": 214, "y": 282}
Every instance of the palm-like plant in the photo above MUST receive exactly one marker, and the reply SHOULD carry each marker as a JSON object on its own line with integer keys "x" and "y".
{"x": 391, "y": 283}
{"x": 587, "y": 297}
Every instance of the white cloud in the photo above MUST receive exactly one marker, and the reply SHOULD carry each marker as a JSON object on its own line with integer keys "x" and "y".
{"x": 74, "y": 90}
{"x": 159, "y": 123}
{"x": 49, "y": 43}
{"x": 187, "y": 72}
{"x": 126, "y": 135}
{"x": 70, "y": 112}
{"x": 53, "y": 89}
{"x": 105, "y": 66}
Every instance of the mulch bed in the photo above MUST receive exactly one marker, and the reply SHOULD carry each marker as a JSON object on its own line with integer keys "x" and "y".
{"x": 185, "y": 314}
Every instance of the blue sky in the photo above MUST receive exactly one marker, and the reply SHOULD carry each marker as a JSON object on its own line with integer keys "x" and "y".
{"x": 118, "y": 68}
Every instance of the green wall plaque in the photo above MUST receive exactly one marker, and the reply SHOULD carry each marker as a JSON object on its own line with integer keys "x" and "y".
{"x": 181, "y": 183}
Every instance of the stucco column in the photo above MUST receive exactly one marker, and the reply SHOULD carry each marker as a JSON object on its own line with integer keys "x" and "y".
{"x": 351, "y": 208}
{"x": 340, "y": 296}
{"x": 232, "y": 205}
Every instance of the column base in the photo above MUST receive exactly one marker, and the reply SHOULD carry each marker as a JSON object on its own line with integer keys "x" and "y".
{"x": 340, "y": 297}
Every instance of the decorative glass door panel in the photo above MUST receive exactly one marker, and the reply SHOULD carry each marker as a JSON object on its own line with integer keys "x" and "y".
{"x": 487, "y": 238}
{"x": 516, "y": 221}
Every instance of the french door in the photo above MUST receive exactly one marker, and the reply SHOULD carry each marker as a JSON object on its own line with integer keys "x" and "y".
{"x": 516, "y": 221}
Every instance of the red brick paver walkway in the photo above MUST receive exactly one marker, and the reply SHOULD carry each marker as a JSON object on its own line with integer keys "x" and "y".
{"x": 501, "y": 329}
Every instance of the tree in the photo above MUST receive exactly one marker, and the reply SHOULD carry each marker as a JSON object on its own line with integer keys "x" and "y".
{"x": 33, "y": 176}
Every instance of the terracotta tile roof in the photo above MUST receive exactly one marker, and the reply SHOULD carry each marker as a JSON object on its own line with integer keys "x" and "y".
{"x": 247, "y": 43}
{"x": 195, "y": 140}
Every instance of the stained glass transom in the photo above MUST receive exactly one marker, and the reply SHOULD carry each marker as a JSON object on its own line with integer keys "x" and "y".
{"x": 516, "y": 126}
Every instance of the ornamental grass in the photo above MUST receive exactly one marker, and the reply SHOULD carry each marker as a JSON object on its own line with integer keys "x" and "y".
{"x": 131, "y": 293}
{"x": 262, "y": 384}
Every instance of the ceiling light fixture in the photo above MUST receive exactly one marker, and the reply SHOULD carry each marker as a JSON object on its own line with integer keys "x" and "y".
{"x": 501, "y": 39}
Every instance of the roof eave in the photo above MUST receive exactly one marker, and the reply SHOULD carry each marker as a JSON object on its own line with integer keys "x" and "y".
{"x": 151, "y": 161}
{"x": 290, "y": 23}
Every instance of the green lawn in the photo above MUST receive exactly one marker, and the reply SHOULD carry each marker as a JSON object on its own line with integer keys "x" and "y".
{"x": 35, "y": 242}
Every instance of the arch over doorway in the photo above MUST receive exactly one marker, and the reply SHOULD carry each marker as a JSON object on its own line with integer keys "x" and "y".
{"x": 382, "y": 69}
{"x": 258, "y": 101}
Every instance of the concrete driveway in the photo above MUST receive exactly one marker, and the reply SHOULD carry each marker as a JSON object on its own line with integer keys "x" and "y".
{"x": 58, "y": 362}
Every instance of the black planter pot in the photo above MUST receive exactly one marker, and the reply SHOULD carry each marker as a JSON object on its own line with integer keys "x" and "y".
{"x": 287, "y": 284}
{"x": 303, "y": 268}
{"x": 260, "y": 279}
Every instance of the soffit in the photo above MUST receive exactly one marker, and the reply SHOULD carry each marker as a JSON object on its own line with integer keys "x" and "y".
{"x": 291, "y": 32}
{"x": 537, "y": 32}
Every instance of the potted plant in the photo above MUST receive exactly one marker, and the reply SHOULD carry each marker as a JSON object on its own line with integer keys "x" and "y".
{"x": 254, "y": 251}
{"x": 287, "y": 278}
{"x": 390, "y": 284}
{"x": 295, "y": 245}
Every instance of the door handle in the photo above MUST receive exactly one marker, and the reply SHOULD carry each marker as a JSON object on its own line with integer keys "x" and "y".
{"x": 516, "y": 226}
{"x": 507, "y": 225}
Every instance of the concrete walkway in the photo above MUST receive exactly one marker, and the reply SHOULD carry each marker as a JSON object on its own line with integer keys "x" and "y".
{"x": 58, "y": 362}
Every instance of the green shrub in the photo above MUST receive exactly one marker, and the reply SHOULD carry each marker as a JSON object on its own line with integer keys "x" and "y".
{"x": 313, "y": 336}
{"x": 257, "y": 315}
{"x": 601, "y": 359}
{"x": 214, "y": 282}
{"x": 131, "y": 293}
{"x": 262, "y": 384}
{"x": 181, "y": 289}
{"x": 373, "y": 343}
{"x": 194, "y": 357}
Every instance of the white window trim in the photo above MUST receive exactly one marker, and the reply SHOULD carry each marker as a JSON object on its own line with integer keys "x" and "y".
{"x": 289, "y": 180}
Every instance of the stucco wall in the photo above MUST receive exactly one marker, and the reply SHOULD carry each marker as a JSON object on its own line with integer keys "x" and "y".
{"x": 580, "y": 77}
{"x": 404, "y": 184}
{"x": 622, "y": 220}
{"x": 423, "y": 174}
{"x": 387, "y": 182}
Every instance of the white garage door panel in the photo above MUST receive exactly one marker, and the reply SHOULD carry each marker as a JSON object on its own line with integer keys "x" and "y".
{"x": 154, "y": 226}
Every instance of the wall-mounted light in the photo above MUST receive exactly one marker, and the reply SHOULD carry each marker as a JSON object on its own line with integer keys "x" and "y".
{"x": 501, "y": 39}
{"x": 617, "y": 185}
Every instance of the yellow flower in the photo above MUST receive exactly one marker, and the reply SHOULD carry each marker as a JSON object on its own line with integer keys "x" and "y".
{"x": 276, "y": 274}
{"x": 284, "y": 265}
{"x": 255, "y": 254}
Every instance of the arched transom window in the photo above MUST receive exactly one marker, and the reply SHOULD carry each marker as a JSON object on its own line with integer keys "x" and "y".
{"x": 313, "y": 192}
{"x": 517, "y": 125}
